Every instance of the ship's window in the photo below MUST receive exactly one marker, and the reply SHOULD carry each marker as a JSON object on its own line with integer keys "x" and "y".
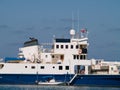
{"x": 32, "y": 67}
{"x": 71, "y": 46}
{"x": 60, "y": 67}
{"x": 66, "y": 46}
{"x": 57, "y": 46}
{"x": 67, "y": 67}
{"x": 53, "y": 56}
{"x": 74, "y": 56}
{"x": 42, "y": 67}
{"x": 63, "y": 40}
{"x": 61, "y": 46}
{"x": 61, "y": 57}
{"x": 76, "y": 46}
{"x": 82, "y": 56}
{"x": 77, "y": 56}
{"x": 84, "y": 50}
{"x": 83, "y": 46}
{"x": 25, "y": 66}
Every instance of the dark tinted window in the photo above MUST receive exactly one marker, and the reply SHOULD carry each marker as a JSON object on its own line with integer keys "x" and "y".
{"x": 57, "y": 46}
{"x": 71, "y": 46}
{"x": 66, "y": 46}
{"x": 67, "y": 67}
{"x": 32, "y": 67}
{"x": 61, "y": 46}
{"x": 60, "y": 67}
{"x": 42, "y": 67}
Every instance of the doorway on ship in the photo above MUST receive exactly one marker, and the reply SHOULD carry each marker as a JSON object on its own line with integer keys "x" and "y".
{"x": 79, "y": 69}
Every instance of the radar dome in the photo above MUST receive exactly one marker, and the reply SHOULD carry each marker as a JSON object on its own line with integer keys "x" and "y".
{"x": 72, "y": 32}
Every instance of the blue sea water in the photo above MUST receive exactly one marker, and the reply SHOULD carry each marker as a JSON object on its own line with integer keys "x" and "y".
{"x": 37, "y": 87}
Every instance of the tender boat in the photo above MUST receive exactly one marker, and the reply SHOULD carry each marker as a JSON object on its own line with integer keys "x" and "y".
{"x": 50, "y": 82}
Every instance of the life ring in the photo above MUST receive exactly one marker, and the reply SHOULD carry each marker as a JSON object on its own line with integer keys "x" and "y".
{"x": 80, "y": 51}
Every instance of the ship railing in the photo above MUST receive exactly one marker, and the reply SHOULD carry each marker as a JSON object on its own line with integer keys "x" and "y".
{"x": 46, "y": 47}
{"x": 48, "y": 51}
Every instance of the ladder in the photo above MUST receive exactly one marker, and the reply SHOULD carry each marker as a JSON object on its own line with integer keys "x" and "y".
{"x": 72, "y": 79}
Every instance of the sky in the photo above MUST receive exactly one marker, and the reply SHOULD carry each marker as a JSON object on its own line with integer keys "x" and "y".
{"x": 42, "y": 19}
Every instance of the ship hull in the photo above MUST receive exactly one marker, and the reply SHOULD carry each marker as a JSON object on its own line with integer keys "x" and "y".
{"x": 97, "y": 80}
{"x": 89, "y": 80}
{"x": 31, "y": 78}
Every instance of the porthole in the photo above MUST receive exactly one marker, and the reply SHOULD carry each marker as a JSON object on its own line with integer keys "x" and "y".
{"x": 32, "y": 67}
{"x": 53, "y": 67}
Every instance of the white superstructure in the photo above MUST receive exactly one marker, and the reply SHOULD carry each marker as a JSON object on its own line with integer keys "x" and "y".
{"x": 66, "y": 56}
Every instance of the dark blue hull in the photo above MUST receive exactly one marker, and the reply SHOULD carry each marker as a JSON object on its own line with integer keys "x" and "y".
{"x": 100, "y": 80}
{"x": 31, "y": 78}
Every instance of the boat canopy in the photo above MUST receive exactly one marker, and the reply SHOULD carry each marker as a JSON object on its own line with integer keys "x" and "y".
{"x": 13, "y": 59}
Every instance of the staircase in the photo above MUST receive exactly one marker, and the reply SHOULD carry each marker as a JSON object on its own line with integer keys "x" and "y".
{"x": 72, "y": 79}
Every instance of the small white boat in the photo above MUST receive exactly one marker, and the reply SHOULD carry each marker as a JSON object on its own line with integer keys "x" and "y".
{"x": 50, "y": 82}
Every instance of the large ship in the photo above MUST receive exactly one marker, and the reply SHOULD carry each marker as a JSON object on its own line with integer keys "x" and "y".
{"x": 66, "y": 62}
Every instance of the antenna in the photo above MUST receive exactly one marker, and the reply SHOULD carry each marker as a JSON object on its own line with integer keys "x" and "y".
{"x": 72, "y": 21}
{"x": 78, "y": 20}
{"x": 72, "y": 31}
{"x": 78, "y": 24}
